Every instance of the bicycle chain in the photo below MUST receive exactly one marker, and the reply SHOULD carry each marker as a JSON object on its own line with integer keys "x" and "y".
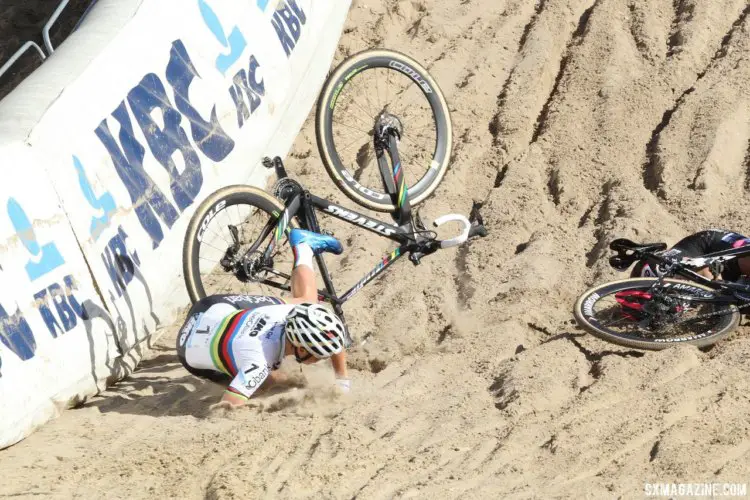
{"x": 709, "y": 315}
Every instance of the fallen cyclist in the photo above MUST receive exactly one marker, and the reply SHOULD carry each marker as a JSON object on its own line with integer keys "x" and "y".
{"x": 247, "y": 337}
{"x": 697, "y": 245}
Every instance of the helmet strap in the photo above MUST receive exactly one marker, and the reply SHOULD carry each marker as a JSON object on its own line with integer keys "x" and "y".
{"x": 301, "y": 359}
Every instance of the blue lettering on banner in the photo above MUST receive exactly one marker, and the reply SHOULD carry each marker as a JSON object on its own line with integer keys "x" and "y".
{"x": 44, "y": 258}
{"x": 235, "y": 42}
{"x": 68, "y": 308}
{"x": 208, "y": 135}
{"x": 120, "y": 264}
{"x": 128, "y": 155}
{"x": 262, "y": 4}
{"x": 246, "y": 88}
{"x": 128, "y": 160}
{"x": 153, "y": 209}
{"x": 151, "y": 95}
{"x": 288, "y": 21}
{"x": 105, "y": 204}
{"x": 16, "y": 334}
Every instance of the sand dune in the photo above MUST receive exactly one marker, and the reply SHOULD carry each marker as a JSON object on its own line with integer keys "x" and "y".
{"x": 575, "y": 122}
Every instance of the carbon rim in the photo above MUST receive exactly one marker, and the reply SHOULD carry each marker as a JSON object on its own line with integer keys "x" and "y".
{"x": 694, "y": 322}
{"x": 211, "y": 237}
{"x": 350, "y": 156}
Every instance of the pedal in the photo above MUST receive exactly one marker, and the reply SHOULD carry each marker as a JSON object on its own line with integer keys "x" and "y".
{"x": 267, "y": 162}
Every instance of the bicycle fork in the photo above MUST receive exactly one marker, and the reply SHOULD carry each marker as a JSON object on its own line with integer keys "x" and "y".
{"x": 388, "y": 131}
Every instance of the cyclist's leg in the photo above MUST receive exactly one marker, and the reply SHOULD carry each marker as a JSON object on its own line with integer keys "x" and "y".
{"x": 304, "y": 287}
{"x": 698, "y": 244}
{"x": 693, "y": 245}
{"x": 187, "y": 329}
{"x": 744, "y": 265}
{"x": 305, "y": 246}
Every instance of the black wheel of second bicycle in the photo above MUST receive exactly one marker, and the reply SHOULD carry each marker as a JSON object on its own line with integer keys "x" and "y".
{"x": 640, "y": 313}
{"x": 360, "y": 90}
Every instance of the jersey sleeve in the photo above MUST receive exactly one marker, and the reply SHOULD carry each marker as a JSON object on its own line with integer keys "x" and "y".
{"x": 252, "y": 369}
{"x": 249, "y": 378}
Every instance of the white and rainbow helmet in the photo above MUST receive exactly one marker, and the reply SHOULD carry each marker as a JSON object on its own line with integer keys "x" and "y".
{"x": 316, "y": 329}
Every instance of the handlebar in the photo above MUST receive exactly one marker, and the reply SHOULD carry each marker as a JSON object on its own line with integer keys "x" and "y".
{"x": 462, "y": 237}
{"x": 468, "y": 230}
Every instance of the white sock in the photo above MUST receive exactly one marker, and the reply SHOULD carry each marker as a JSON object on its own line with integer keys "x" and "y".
{"x": 303, "y": 255}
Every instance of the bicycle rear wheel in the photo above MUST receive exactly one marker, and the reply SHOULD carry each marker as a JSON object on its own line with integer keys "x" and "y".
{"x": 353, "y": 97}
{"x": 638, "y": 313}
{"x": 228, "y": 224}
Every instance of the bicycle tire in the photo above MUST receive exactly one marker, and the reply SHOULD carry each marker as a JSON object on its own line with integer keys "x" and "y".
{"x": 205, "y": 213}
{"x": 584, "y": 315}
{"x": 333, "y": 86}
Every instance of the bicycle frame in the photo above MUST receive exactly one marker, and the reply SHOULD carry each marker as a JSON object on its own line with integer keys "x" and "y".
{"x": 722, "y": 286}
{"x": 303, "y": 206}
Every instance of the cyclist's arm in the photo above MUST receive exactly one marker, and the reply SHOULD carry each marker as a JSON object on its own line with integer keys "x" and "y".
{"x": 253, "y": 370}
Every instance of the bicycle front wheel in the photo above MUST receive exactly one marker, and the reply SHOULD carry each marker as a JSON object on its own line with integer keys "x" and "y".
{"x": 360, "y": 89}
{"x": 642, "y": 314}
{"x": 223, "y": 251}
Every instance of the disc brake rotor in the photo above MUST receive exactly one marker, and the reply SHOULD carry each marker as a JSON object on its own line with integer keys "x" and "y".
{"x": 252, "y": 265}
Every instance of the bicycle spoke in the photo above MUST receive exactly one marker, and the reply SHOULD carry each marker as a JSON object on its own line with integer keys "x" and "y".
{"x": 367, "y": 143}
{"x": 620, "y": 320}
{"x": 388, "y": 86}
{"x": 377, "y": 89}
{"x": 367, "y": 98}
{"x": 349, "y": 126}
{"x": 361, "y": 107}
{"x": 364, "y": 122}
{"x": 215, "y": 248}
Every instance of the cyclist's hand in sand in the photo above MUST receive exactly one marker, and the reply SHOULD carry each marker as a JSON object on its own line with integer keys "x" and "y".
{"x": 277, "y": 377}
{"x": 222, "y": 405}
{"x": 344, "y": 385}
{"x": 229, "y": 401}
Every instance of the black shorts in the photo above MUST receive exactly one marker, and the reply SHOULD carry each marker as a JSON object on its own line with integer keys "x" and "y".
{"x": 696, "y": 245}
{"x": 239, "y": 302}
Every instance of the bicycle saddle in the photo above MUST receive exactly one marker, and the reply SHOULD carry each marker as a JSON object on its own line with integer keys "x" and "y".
{"x": 628, "y": 252}
{"x": 622, "y": 244}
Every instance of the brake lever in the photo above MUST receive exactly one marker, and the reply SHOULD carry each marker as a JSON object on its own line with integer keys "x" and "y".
{"x": 477, "y": 229}
{"x": 462, "y": 237}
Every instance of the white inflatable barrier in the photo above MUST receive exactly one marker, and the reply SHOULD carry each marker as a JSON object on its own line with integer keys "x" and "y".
{"x": 108, "y": 148}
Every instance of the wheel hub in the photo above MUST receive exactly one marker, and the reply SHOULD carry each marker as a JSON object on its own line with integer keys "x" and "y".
{"x": 387, "y": 124}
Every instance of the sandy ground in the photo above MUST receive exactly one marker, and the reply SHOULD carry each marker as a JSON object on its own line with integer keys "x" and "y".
{"x": 575, "y": 121}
